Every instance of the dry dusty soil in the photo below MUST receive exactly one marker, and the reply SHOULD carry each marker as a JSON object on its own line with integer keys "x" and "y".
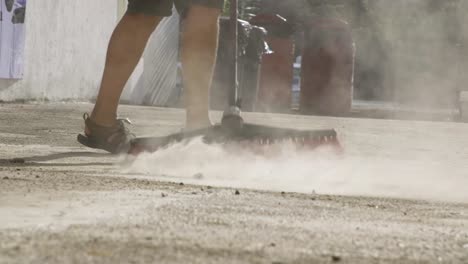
{"x": 63, "y": 203}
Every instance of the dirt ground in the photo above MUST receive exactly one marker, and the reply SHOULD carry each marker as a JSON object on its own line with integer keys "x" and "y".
{"x": 399, "y": 196}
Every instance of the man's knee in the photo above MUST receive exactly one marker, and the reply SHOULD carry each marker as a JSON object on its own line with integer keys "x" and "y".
{"x": 216, "y": 4}
{"x": 143, "y": 22}
{"x": 201, "y": 11}
{"x": 202, "y": 16}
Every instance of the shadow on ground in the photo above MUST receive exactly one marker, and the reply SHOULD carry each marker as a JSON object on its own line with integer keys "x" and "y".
{"x": 44, "y": 160}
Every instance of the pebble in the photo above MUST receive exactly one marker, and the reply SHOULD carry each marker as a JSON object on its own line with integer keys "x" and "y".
{"x": 6, "y": 178}
{"x": 336, "y": 258}
{"x": 163, "y": 195}
{"x": 237, "y": 192}
{"x": 18, "y": 161}
{"x": 198, "y": 176}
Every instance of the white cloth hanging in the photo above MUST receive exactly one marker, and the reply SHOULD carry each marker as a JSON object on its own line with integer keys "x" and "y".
{"x": 159, "y": 78}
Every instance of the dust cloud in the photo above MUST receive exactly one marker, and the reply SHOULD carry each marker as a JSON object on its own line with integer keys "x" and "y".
{"x": 411, "y": 53}
{"x": 320, "y": 171}
{"x": 408, "y": 53}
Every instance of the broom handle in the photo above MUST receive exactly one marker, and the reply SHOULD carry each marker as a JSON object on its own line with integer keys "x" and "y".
{"x": 233, "y": 28}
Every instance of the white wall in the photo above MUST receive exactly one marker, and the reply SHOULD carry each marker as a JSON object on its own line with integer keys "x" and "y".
{"x": 65, "y": 49}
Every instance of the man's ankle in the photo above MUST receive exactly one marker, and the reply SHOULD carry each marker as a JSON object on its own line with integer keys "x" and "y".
{"x": 106, "y": 121}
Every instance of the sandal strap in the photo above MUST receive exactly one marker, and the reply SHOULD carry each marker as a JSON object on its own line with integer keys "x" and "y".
{"x": 113, "y": 138}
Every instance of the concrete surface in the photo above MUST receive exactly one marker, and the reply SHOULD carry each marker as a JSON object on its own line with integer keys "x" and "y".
{"x": 63, "y": 203}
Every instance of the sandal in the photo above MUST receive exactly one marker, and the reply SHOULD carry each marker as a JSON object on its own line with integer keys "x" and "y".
{"x": 115, "y": 139}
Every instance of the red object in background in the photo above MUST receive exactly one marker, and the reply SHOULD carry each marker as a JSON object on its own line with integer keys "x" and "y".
{"x": 276, "y": 73}
{"x": 327, "y": 68}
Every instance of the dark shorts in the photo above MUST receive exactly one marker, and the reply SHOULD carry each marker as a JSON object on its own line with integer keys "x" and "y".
{"x": 164, "y": 7}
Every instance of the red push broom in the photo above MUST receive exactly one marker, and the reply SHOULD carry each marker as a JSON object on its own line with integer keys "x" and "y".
{"x": 233, "y": 128}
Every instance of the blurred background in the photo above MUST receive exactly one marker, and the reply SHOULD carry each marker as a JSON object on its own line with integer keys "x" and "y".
{"x": 361, "y": 58}
{"x": 395, "y": 58}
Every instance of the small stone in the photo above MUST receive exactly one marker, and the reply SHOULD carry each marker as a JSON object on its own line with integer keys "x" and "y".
{"x": 18, "y": 169}
{"x": 6, "y": 178}
{"x": 163, "y": 195}
{"x": 18, "y": 161}
{"x": 194, "y": 193}
{"x": 272, "y": 245}
{"x": 283, "y": 193}
{"x": 198, "y": 176}
{"x": 181, "y": 184}
{"x": 37, "y": 176}
{"x": 336, "y": 258}
{"x": 237, "y": 192}
{"x": 209, "y": 187}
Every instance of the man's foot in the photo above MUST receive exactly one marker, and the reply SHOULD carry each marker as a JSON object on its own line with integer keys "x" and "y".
{"x": 114, "y": 139}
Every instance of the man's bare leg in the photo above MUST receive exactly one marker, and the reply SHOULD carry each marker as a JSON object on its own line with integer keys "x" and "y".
{"x": 125, "y": 49}
{"x": 200, "y": 42}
